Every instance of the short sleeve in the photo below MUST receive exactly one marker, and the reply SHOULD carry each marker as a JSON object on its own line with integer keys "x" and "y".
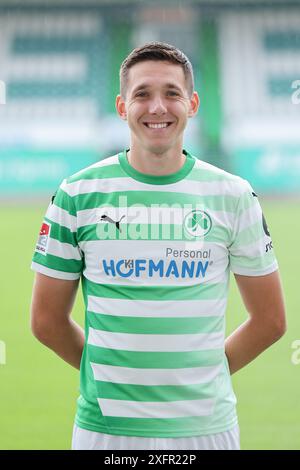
{"x": 57, "y": 253}
{"x": 251, "y": 252}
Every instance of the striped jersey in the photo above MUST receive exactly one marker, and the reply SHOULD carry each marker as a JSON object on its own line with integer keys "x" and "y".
{"x": 154, "y": 255}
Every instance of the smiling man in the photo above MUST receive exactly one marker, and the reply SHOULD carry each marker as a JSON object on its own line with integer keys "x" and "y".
{"x": 157, "y": 98}
{"x": 153, "y": 233}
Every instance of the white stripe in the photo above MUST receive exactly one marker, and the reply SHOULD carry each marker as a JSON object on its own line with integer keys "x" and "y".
{"x": 42, "y": 133}
{"x": 102, "y": 256}
{"x": 63, "y": 67}
{"x": 215, "y": 274}
{"x": 137, "y": 376}
{"x": 167, "y": 409}
{"x": 156, "y": 308}
{"x": 63, "y": 250}
{"x": 53, "y": 273}
{"x": 151, "y": 215}
{"x": 191, "y": 187}
{"x": 105, "y": 162}
{"x": 152, "y": 249}
{"x": 61, "y": 217}
{"x": 159, "y": 343}
{"x": 214, "y": 277}
{"x": 254, "y": 272}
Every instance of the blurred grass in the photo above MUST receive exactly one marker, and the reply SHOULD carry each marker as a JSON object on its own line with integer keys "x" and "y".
{"x": 268, "y": 388}
{"x": 38, "y": 391}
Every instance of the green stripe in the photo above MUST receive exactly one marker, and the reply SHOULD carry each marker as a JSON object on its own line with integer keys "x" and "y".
{"x": 250, "y": 235}
{"x": 24, "y": 89}
{"x": 157, "y": 393}
{"x": 149, "y": 427}
{"x": 154, "y": 360}
{"x": 64, "y": 201}
{"x": 90, "y": 416}
{"x": 94, "y": 200}
{"x": 100, "y": 172}
{"x": 62, "y": 234}
{"x": 246, "y": 201}
{"x": 160, "y": 232}
{"x": 157, "y": 179}
{"x": 207, "y": 291}
{"x": 155, "y": 325}
{"x": 119, "y": 26}
{"x": 210, "y": 65}
{"x": 159, "y": 427}
{"x": 59, "y": 264}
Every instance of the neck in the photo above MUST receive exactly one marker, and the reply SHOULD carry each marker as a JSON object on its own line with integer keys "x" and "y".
{"x": 158, "y": 164}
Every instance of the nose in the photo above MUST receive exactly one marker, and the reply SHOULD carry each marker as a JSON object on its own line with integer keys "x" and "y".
{"x": 157, "y": 106}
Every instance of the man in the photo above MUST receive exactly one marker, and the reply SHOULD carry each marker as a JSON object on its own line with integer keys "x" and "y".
{"x": 153, "y": 233}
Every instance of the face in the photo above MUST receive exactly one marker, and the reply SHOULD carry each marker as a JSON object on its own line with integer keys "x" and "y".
{"x": 157, "y": 105}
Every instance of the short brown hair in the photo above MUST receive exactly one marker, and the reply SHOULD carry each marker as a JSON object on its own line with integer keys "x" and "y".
{"x": 158, "y": 51}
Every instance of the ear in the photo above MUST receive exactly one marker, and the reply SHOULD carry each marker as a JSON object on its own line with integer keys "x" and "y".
{"x": 194, "y": 104}
{"x": 121, "y": 107}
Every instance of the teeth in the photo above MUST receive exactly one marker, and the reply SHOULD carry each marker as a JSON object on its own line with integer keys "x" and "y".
{"x": 159, "y": 125}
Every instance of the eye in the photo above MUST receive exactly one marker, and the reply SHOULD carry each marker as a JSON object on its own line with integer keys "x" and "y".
{"x": 141, "y": 94}
{"x": 172, "y": 93}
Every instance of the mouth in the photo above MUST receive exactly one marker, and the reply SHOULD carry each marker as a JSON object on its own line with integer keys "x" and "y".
{"x": 157, "y": 125}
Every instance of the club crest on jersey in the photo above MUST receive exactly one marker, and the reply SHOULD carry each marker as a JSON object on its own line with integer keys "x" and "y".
{"x": 197, "y": 223}
{"x": 43, "y": 239}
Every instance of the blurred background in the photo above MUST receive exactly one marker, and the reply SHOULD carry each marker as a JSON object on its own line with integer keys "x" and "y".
{"x": 59, "y": 65}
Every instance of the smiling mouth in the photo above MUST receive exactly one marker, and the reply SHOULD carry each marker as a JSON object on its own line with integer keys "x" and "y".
{"x": 157, "y": 125}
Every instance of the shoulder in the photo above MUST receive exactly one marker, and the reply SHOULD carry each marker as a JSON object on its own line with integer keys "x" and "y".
{"x": 86, "y": 179}
{"x": 216, "y": 177}
{"x": 95, "y": 170}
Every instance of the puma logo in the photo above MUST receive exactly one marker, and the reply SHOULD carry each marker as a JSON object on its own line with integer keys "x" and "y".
{"x": 106, "y": 218}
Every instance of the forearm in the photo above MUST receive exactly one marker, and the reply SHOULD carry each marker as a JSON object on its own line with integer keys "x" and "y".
{"x": 65, "y": 339}
{"x": 248, "y": 341}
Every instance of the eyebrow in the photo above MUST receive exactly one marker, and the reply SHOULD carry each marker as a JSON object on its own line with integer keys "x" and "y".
{"x": 144, "y": 86}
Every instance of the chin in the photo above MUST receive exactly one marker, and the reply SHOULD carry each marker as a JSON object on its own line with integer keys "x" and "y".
{"x": 159, "y": 148}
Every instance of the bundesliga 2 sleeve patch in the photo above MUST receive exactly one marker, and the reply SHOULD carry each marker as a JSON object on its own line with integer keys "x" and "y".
{"x": 43, "y": 239}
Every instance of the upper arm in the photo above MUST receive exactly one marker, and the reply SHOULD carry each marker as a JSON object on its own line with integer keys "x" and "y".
{"x": 263, "y": 299}
{"x": 58, "y": 262}
{"x": 52, "y": 300}
{"x": 254, "y": 264}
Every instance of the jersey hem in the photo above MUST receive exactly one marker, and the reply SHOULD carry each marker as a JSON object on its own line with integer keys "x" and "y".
{"x": 259, "y": 272}
{"x": 39, "y": 268}
{"x": 148, "y": 433}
